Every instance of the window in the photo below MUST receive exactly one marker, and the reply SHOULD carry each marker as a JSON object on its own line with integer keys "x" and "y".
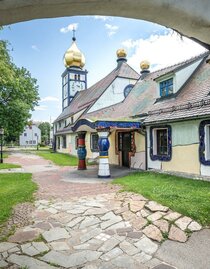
{"x": 204, "y": 145}
{"x": 160, "y": 143}
{"x": 72, "y": 120}
{"x": 25, "y": 134}
{"x": 34, "y": 142}
{"x": 127, "y": 90}
{"x": 94, "y": 142}
{"x": 59, "y": 124}
{"x": 59, "y": 143}
{"x": 64, "y": 142}
{"x": 65, "y": 79}
{"x": 166, "y": 87}
{"x": 35, "y": 134}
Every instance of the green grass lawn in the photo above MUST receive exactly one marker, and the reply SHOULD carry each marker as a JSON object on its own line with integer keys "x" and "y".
{"x": 15, "y": 188}
{"x": 58, "y": 158}
{"x": 5, "y": 155}
{"x": 8, "y": 165}
{"x": 186, "y": 196}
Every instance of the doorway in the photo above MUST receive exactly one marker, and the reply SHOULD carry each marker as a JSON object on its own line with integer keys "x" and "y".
{"x": 124, "y": 139}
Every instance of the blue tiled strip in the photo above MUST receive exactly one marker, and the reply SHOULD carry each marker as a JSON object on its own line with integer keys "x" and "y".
{"x": 106, "y": 124}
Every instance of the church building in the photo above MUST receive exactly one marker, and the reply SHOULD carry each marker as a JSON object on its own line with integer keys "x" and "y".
{"x": 151, "y": 120}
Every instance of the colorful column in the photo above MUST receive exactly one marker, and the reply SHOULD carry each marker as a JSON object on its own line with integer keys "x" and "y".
{"x": 81, "y": 151}
{"x": 103, "y": 144}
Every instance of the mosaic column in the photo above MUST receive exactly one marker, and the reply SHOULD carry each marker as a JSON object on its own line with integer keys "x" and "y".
{"x": 81, "y": 151}
{"x": 103, "y": 144}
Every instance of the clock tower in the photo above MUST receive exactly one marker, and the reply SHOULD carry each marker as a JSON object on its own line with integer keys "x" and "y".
{"x": 74, "y": 78}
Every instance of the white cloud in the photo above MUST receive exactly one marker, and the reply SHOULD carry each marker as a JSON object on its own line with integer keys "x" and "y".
{"x": 161, "y": 50}
{"x": 112, "y": 29}
{"x": 103, "y": 18}
{"x": 49, "y": 98}
{"x": 34, "y": 47}
{"x": 40, "y": 108}
{"x": 70, "y": 27}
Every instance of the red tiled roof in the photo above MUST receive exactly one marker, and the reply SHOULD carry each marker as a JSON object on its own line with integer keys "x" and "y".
{"x": 192, "y": 101}
{"x": 141, "y": 98}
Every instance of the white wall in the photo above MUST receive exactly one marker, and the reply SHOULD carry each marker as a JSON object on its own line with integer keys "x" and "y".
{"x": 30, "y": 136}
{"x": 114, "y": 94}
{"x": 183, "y": 74}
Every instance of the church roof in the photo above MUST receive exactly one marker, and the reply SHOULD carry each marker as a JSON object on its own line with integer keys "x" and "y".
{"x": 141, "y": 99}
{"x": 86, "y": 98}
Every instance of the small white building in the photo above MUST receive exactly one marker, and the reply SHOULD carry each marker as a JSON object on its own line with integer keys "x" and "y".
{"x": 31, "y": 136}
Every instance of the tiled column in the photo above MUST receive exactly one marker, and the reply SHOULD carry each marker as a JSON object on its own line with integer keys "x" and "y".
{"x": 81, "y": 151}
{"x": 103, "y": 143}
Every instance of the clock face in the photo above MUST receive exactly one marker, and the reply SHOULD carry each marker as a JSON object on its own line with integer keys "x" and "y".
{"x": 76, "y": 86}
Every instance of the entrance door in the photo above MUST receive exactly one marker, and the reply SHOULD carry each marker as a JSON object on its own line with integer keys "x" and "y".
{"x": 126, "y": 148}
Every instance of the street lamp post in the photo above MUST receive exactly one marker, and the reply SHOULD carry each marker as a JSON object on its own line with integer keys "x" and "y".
{"x": 1, "y": 134}
{"x": 37, "y": 142}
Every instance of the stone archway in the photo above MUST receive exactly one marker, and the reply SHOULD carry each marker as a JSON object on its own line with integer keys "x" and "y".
{"x": 189, "y": 17}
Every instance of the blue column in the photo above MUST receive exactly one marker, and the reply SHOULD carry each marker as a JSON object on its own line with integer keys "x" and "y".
{"x": 103, "y": 143}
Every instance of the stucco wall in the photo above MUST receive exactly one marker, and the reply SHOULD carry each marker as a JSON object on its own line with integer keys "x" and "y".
{"x": 138, "y": 160}
{"x": 113, "y": 158}
{"x": 185, "y": 150}
{"x": 114, "y": 94}
{"x": 184, "y": 159}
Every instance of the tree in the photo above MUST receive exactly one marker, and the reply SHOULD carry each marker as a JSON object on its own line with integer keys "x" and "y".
{"x": 18, "y": 95}
{"x": 45, "y": 128}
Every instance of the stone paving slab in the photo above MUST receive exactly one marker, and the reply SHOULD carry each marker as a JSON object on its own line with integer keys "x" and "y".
{"x": 28, "y": 262}
{"x": 96, "y": 227}
{"x": 106, "y": 236}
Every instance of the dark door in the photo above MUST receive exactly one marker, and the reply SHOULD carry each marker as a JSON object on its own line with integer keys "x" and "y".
{"x": 126, "y": 148}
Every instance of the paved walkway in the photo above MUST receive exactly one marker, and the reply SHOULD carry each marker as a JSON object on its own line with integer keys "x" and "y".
{"x": 91, "y": 226}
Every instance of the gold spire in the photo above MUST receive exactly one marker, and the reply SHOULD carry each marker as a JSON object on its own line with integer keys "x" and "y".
{"x": 73, "y": 57}
{"x": 121, "y": 53}
{"x": 145, "y": 65}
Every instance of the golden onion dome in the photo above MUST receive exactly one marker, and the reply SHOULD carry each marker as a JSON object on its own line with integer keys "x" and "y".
{"x": 121, "y": 53}
{"x": 145, "y": 65}
{"x": 73, "y": 57}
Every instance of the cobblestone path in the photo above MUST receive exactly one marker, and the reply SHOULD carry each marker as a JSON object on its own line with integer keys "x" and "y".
{"x": 91, "y": 226}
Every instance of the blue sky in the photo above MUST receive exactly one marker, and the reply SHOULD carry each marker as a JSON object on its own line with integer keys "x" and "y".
{"x": 39, "y": 45}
